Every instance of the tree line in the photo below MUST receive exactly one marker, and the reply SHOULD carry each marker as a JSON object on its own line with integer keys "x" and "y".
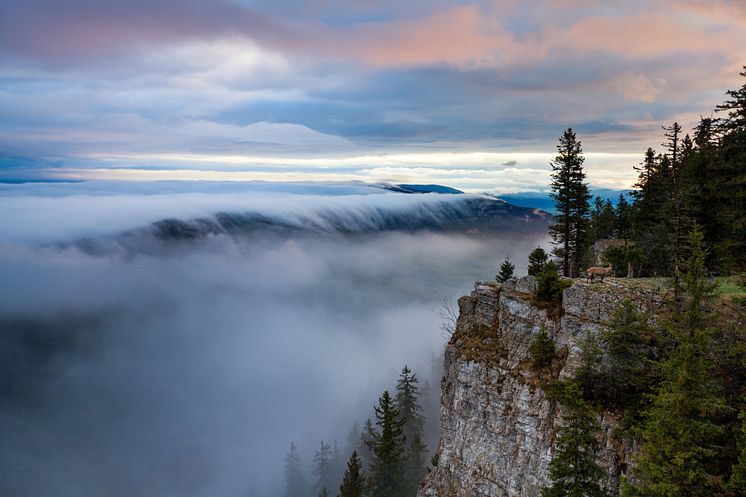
{"x": 388, "y": 456}
{"x": 678, "y": 378}
{"x": 696, "y": 179}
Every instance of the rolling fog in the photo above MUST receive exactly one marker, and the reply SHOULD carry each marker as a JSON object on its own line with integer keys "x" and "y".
{"x": 189, "y": 373}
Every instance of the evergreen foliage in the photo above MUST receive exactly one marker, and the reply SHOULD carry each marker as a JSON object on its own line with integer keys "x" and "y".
{"x": 537, "y": 259}
{"x": 700, "y": 179}
{"x": 506, "y": 271}
{"x": 387, "y": 445}
{"x": 541, "y": 350}
{"x": 571, "y": 196}
{"x": 620, "y": 258}
{"x": 414, "y": 466}
{"x": 603, "y": 219}
{"x": 623, "y": 214}
{"x": 682, "y": 435}
{"x": 549, "y": 286}
{"x": 295, "y": 485}
{"x": 322, "y": 468}
{"x": 353, "y": 482}
{"x": 573, "y": 470}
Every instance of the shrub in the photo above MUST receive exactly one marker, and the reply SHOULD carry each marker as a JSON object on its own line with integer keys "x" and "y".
{"x": 549, "y": 286}
{"x": 541, "y": 350}
{"x": 620, "y": 257}
{"x": 506, "y": 271}
{"x": 537, "y": 259}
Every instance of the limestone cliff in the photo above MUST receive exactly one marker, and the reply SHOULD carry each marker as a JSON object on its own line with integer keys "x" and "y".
{"x": 497, "y": 423}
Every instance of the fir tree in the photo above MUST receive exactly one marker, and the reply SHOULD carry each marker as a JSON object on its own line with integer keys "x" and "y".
{"x": 631, "y": 346}
{"x": 672, "y": 133}
{"x": 506, "y": 271}
{"x": 386, "y": 472}
{"x": 573, "y": 470}
{"x": 295, "y": 485}
{"x": 541, "y": 350}
{"x": 365, "y": 443}
{"x": 737, "y": 482}
{"x": 322, "y": 468}
{"x": 736, "y": 109}
{"x": 570, "y": 193}
{"x": 549, "y": 286}
{"x": 536, "y": 261}
{"x": 622, "y": 223}
{"x": 353, "y": 482}
{"x": 414, "y": 464}
{"x": 682, "y": 435}
{"x": 603, "y": 219}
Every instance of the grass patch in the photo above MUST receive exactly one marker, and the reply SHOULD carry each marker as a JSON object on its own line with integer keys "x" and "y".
{"x": 728, "y": 287}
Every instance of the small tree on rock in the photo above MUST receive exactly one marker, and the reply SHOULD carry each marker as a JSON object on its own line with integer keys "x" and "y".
{"x": 506, "y": 271}
{"x": 537, "y": 259}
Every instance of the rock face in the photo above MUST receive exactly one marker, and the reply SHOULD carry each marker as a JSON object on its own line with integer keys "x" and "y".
{"x": 497, "y": 423}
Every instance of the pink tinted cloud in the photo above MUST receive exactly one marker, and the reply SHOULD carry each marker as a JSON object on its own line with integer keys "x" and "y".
{"x": 457, "y": 35}
{"x": 462, "y": 35}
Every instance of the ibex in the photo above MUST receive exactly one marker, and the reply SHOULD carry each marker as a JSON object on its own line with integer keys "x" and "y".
{"x": 591, "y": 272}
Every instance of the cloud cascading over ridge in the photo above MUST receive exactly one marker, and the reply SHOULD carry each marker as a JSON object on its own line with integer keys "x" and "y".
{"x": 84, "y": 83}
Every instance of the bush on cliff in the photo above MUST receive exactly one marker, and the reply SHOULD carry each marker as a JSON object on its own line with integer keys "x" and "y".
{"x": 541, "y": 350}
{"x": 549, "y": 286}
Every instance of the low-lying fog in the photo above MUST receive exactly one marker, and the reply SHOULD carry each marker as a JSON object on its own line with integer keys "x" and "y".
{"x": 190, "y": 374}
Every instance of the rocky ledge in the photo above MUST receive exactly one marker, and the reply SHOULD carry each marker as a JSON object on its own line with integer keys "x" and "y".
{"x": 497, "y": 423}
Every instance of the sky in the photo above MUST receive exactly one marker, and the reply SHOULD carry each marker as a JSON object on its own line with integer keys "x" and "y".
{"x": 470, "y": 94}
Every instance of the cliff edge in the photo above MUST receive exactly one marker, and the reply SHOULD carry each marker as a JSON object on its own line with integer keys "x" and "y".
{"x": 497, "y": 423}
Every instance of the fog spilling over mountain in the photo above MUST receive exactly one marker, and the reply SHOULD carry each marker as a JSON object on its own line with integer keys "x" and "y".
{"x": 175, "y": 343}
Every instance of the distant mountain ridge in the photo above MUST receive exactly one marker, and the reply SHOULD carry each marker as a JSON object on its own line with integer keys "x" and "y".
{"x": 465, "y": 214}
{"x": 542, "y": 200}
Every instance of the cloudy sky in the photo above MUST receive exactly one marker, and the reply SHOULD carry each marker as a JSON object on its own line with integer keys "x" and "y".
{"x": 473, "y": 95}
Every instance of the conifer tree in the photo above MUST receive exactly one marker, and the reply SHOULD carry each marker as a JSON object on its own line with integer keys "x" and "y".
{"x": 366, "y": 441}
{"x": 573, "y": 470}
{"x": 570, "y": 193}
{"x": 414, "y": 465}
{"x": 735, "y": 107}
{"x": 353, "y": 482}
{"x": 622, "y": 225}
{"x": 602, "y": 219}
{"x": 322, "y": 468}
{"x": 536, "y": 261}
{"x": 387, "y": 445}
{"x": 295, "y": 485}
{"x": 506, "y": 271}
{"x": 674, "y": 156}
{"x": 682, "y": 435}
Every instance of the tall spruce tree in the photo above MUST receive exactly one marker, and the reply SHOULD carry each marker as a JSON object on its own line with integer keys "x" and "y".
{"x": 622, "y": 226}
{"x": 414, "y": 460}
{"x": 673, "y": 133}
{"x": 652, "y": 212}
{"x": 536, "y": 261}
{"x": 322, "y": 468}
{"x": 295, "y": 485}
{"x": 506, "y": 271}
{"x": 682, "y": 436}
{"x": 571, "y": 196}
{"x": 353, "y": 481}
{"x": 573, "y": 470}
{"x": 387, "y": 445}
{"x": 729, "y": 183}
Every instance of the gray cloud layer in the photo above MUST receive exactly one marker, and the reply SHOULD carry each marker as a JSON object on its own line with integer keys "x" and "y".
{"x": 87, "y": 84}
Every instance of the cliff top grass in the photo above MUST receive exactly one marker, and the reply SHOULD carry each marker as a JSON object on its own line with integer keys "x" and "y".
{"x": 729, "y": 288}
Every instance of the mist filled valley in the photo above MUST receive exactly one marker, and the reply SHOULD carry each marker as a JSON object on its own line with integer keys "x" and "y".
{"x": 177, "y": 343}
